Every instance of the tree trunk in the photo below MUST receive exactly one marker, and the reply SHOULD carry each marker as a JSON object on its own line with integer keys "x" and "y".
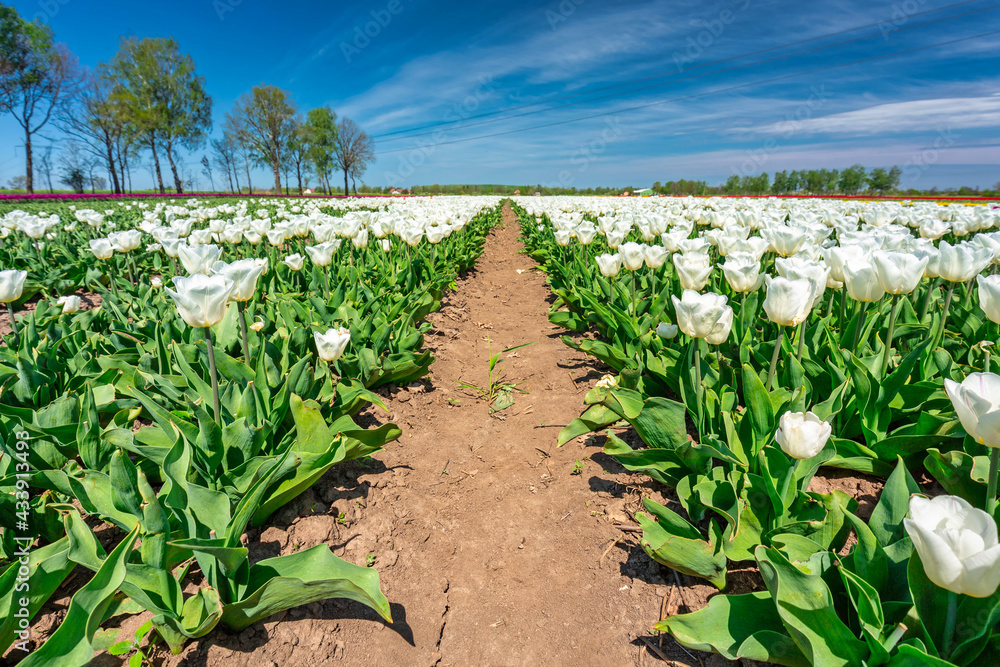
{"x": 109, "y": 145}
{"x": 298, "y": 172}
{"x": 347, "y": 192}
{"x": 246, "y": 163}
{"x": 29, "y": 168}
{"x": 156, "y": 161}
{"x": 277, "y": 173}
{"x": 173, "y": 168}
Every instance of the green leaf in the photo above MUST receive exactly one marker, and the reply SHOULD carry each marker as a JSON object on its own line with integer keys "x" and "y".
{"x": 69, "y": 645}
{"x": 735, "y": 627}
{"x": 806, "y": 607}
{"x": 886, "y": 521}
{"x": 674, "y": 542}
{"x": 276, "y": 584}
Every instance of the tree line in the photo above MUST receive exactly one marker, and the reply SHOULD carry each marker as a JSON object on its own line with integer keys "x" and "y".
{"x": 147, "y": 103}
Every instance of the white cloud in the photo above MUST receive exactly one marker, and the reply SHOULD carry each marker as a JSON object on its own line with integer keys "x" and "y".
{"x": 911, "y": 116}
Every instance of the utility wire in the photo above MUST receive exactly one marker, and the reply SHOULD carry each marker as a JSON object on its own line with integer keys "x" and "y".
{"x": 698, "y": 95}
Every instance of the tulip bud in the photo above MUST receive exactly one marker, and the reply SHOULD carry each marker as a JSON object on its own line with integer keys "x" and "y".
{"x": 666, "y": 330}
{"x": 70, "y": 304}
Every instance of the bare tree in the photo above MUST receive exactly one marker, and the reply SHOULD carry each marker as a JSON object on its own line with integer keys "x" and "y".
{"x": 266, "y": 114}
{"x": 94, "y": 117}
{"x": 235, "y": 128}
{"x": 35, "y": 76}
{"x": 224, "y": 156}
{"x": 45, "y": 166}
{"x": 355, "y": 149}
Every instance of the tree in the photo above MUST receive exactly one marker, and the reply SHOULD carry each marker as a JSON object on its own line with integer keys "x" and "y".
{"x": 298, "y": 151}
{"x": 235, "y": 129}
{"x": 35, "y": 76}
{"x": 780, "y": 184}
{"x": 852, "y": 179}
{"x": 224, "y": 155}
{"x": 17, "y": 183}
{"x": 45, "y": 165}
{"x": 884, "y": 180}
{"x": 94, "y": 117}
{"x": 206, "y": 168}
{"x": 163, "y": 96}
{"x": 74, "y": 166}
{"x": 321, "y": 135}
{"x": 266, "y": 113}
{"x": 355, "y": 149}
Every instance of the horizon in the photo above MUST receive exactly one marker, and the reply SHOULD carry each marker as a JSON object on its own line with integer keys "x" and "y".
{"x": 934, "y": 111}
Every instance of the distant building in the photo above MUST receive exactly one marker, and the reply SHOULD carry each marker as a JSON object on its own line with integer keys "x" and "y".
{"x": 308, "y": 191}
{"x": 646, "y": 192}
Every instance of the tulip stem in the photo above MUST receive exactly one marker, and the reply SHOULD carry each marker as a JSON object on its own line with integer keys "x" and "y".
{"x": 13, "y": 324}
{"x": 991, "y": 483}
{"x": 843, "y": 308}
{"x": 802, "y": 339}
{"x": 939, "y": 336}
{"x": 927, "y": 300}
{"x": 893, "y": 639}
{"x": 697, "y": 381}
{"x": 786, "y": 484}
{"x": 949, "y": 623}
{"x": 241, "y": 309}
{"x": 774, "y": 356}
{"x": 861, "y": 325}
{"x": 326, "y": 282}
{"x": 635, "y": 306}
{"x": 215, "y": 376}
{"x": 888, "y": 337}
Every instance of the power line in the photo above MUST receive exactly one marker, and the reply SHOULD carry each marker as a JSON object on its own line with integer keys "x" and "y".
{"x": 696, "y": 67}
{"x": 705, "y": 94}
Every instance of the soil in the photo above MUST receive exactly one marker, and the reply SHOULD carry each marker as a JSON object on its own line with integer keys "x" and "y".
{"x": 88, "y": 300}
{"x": 494, "y": 546}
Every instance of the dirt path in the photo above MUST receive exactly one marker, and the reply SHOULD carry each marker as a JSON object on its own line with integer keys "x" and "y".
{"x": 489, "y": 546}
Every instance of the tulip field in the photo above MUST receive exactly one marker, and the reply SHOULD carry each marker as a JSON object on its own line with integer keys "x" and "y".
{"x": 246, "y": 361}
{"x": 747, "y": 347}
{"x": 757, "y": 341}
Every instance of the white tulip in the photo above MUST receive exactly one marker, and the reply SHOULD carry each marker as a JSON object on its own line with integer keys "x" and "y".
{"x": 102, "y": 248}
{"x": 693, "y": 270}
{"x": 802, "y": 435}
{"x": 788, "y": 302}
{"x": 977, "y": 403}
{"x": 989, "y": 296}
{"x": 958, "y": 263}
{"x": 742, "y": 272}
{"x": 201, "y": 300}
{"x": 321, "y": 254}
{"x": 957, "y": 544}
{"x": 656, "y": 256}
{"x": 243, "y": 274}
{"x": 11, "y": 285}
{"x": 633, "y": 255}
{"x": 609, "y": 265}
{"x": 330, "y": 345}
{"x": 899, "y": 272}
{"x": 294, "y": 262}
{"x": 703, "y": 315}
{"x": 198, "y": 258}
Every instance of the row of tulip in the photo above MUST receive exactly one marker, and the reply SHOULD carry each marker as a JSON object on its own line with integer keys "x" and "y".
{"x": 797, "y": 335}
{"x": 248, "y": 363}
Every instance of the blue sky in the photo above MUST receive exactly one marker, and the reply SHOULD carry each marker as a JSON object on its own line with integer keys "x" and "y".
{"x": 934, "y": 112}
